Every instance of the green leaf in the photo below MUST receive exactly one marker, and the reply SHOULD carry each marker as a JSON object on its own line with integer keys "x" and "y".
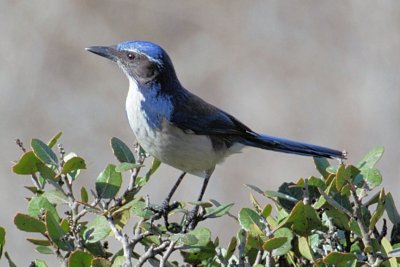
{"x": 340, "y": 259}
{"x": 266, "y": 211}
{"x": 255, "y": 188}
{"x": 55, "y": 197}
{"x": 274, "y": 243}
{"x": 54, "y": 140}
{"x": 10, "y": 261}
{"x": 139, "y": 208}
{"x": 154, "y": 166}
{"x": 231, "y": 248}
{"x": 304, "y": 219}
{"x": 200, "y": 250}
{"x": 101, "y": 262}
{"x": 378, "y": 213}
{"x": 285, "y": 248}
{"x": 122, "y": 151}
{"x": 343, "y": 174}
{"x": 40, "y": 263}
{"x": 27, "y": 223}
{"x": 84, "y": 195}
{"x": 125, "y": 166}
{"x": 39, "y": 242}
{"x": 321, "y": 164}
{"x": 97, "y": 230}
{"x": 219, "y": 211}
{"x": 73, "y": 164}
{"x": 251, "y": 221}
{"x": 371, "y": 158}
{"x": 2, "y": 240}
{"x": 108, "y": 182}
{"x": 44, "y": 250}
{"x": 39, "y": 204}
{"x": 274, "y": 194}
{"x": 372, "y": 177}
{"x": 118, "y": 261}
{"x": 57, "y": 233}
{"x": 305, "y": 249}
{"x": 44, "y": 152}
{"x": 80, "y": 258}
{"x": 387, "y": 248}
{"x": 255, "y": 203}
{"x": 391, "y": 210}
{"x": 27, "y": 164}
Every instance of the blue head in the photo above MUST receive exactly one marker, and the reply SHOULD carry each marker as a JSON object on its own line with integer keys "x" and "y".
{"x": 143, "y": 61}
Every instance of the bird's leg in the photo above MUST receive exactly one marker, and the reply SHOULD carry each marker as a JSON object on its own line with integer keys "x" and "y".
{"x": 165, "y": 207}
{"x": 193, "y": 217}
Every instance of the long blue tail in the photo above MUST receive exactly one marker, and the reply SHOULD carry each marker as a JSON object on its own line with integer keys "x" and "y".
{"x": 291, "y": 147}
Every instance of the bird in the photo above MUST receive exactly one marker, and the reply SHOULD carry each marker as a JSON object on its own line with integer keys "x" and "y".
{"x": 178, "y": 127}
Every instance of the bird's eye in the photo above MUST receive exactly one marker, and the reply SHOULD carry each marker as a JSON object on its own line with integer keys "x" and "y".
{"x": 131, "y": 56}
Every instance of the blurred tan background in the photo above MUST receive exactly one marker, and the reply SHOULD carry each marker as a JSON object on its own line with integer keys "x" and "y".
{"x": 325, "y": 72}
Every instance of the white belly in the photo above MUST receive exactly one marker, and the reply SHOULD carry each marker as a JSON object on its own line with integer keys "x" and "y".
{"x": 188, "y": 152}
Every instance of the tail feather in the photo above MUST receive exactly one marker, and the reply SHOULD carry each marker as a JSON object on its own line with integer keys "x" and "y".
{"x": 292, "y": 147}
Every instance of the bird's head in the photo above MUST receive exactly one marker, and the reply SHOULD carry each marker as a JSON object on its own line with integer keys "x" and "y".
{"x": 141, "y": 60}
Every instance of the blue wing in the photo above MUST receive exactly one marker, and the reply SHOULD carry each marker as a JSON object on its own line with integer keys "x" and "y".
{"x": 194, "y": 115}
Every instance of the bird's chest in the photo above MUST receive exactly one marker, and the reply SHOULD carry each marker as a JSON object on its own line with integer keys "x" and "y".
{"x": 146, "y": 115}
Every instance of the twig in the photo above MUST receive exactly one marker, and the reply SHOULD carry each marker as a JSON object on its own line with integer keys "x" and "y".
{"x": 124, "y": 240}
{"x": 168, "y": 252}
{"x": 151, "y": 252}
{"x": 242, "y": 245}
{"x": 363, "y": 228}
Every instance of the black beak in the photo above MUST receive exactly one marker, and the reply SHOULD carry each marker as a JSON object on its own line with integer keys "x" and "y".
{"x": 109, "y": 52}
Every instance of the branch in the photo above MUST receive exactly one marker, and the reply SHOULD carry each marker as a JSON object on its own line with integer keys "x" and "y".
{"x": 124, "y": 240}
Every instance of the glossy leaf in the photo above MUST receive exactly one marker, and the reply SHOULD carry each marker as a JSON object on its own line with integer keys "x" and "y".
{"x": 97, "y": 230}
{"x": 251, "y": 221}
{"x": 391, "y": 210}
{"x": 139, "y": 208}
{"x": 219, "y": 211}
{"x": 378, "y": 213}
{"x": 73, "y": 164}
{"x": 43, "y": 152}
{"x": 80, "y": 258}
{"x": 118, "y": 261}
{"x": 371, "y": 158}
{"x": 321, "y": 164}
{"x": 108, "y": 182}
{"x": 56, "y": 197}
{"x": 304, "y": 219}
{"x": 305, "y": 249}
{"x": 30, "y": 224}
{"x": 100, "y": 262}
{"x": 231, "y": 248}
{"x": 40, "y": 263}
{"x": 54, "y": 140}
{"x": 39, "y": 242}
{"x": 84, "y": 195}
{"x": 122, "y": 151}
{"x": 274, "y": 243}
{"x": 27, "y": 164}
{"x": 125, "y": 166}
{"x": 2, "y": 240}
{"x": 38, "y": 205}
{"x": 285, "y": 248}
{"x": 372, "y": 177}
{"x": 340, "y": 259}
{"x": 57, "y": 233}
{"x": 44, "y": 250}
{"x": 387, "y": 247}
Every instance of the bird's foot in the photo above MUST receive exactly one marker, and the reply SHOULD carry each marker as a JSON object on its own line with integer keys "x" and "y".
{"x": 163, "y": 211}
{"x": 193, "y": 218}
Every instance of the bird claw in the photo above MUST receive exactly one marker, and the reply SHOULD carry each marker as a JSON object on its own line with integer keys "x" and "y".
{"x": 193, "y": 218}
{"x": 163, "y": 211}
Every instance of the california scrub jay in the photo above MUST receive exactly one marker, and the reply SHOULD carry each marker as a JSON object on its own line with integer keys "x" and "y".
{"x": 178, "y": 127}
